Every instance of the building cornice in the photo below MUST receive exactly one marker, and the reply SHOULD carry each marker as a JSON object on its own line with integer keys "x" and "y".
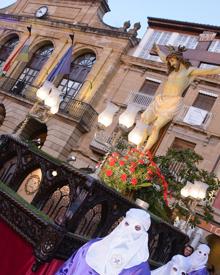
{"x": 181, "y": 25}
{"x": 73, "y": 26}
{"x": 144, "y": 63}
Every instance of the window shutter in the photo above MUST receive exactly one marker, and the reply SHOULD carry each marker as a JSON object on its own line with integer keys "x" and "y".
{"x": 204, "y": 102}
{"x": 149, "y": 87}
{"x": 182, "y": 144}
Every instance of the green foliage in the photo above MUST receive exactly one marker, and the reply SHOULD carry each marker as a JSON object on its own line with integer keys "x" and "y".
{"x": 179, "y": 167}
{"x": 136, "y": 171}
{"x": 154, "y": 196}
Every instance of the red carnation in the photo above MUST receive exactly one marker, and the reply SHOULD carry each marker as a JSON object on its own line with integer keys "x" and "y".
{"x": 141, "y": 161}
{"x": 134, "y": 181}
{"x": 121, "y": 163}
{"x": 132, "y": 169}
{"x": 112, "y": 163}
{"x": 108, "y": 173}
{"x": 123, "y": 177}
{"x": 111, "y": 159}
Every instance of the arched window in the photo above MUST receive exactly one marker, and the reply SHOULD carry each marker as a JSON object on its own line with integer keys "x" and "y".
{"x": 33, "y": 68}
{"x": 30, "y": 185}
{"x": 58, "y": 203}
{"x": 89, "y": 223}
{"x": 7, "y": 48}
{"x": 71, "y": 85}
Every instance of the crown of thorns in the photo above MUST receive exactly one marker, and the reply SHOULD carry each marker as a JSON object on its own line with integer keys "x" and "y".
{"x": 173, "y": 52}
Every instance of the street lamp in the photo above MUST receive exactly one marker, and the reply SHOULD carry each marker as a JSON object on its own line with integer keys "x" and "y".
{"x": 127, "y": 118}
{"x": 105, "y": 118}
{"x": 126, "y": 121}
{"x": 49, "y": 95}
{"x": 138, "y": 134}
{"x": 196, "y": 192}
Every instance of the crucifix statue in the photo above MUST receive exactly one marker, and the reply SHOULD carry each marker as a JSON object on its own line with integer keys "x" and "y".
{"x": 167, "y": 104}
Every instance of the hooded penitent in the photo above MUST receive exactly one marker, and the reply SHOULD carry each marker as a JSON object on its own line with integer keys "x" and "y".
{"x": 198, "y": 260}
{"x": 126, "y": 246}
{"x": 124, "y": 251}
{"x": 179, "y": 265}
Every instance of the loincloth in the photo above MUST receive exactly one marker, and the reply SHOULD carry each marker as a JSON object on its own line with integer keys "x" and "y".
{"x": 166, "y": 106}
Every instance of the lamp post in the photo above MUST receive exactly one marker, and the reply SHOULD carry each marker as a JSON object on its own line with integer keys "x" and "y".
{"x": 196, "y": 192}
{"x": 47, "y": 94}
{"x": 125, "y": 123}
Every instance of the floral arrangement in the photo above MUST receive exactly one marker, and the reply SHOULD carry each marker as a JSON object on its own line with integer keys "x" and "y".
{"x": 133, "y": 171}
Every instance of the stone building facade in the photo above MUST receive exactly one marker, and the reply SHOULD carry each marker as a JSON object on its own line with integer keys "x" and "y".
{"x": 96, "y": 57}
{"x": 109, "y": 64}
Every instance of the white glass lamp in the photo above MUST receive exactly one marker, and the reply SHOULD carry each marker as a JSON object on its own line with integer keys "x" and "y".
{"x": 105, "y": 118}
{"x": 53, "y": 98}
{"x": 185, "y": 191}
{"x": 127, "y": 118}
{"x": 138, "y": 134}
{"x": 44, "y": 90}
{"x": 196, "y": 190}
{"x": 54, "y": 109}
{"x": 201, "y": 189}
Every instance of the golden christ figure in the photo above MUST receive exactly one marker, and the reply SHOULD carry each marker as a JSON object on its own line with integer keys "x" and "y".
{"x": 167, "y": 104}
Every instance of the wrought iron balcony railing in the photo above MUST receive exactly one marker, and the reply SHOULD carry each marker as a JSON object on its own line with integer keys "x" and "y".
{"x": 81, "y": 112}
{"x": 18, "y": 88}
{"x": 141, "y": 99}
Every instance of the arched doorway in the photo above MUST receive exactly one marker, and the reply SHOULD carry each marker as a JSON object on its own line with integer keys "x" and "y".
{"x": 2, "y": 113}
{"x": 7, "y": 48}
{"x": 30, "y": 185}
{"x": 33, "y": 68}
{"x": 35, "y": 132}
{"x": 71, "y": 85}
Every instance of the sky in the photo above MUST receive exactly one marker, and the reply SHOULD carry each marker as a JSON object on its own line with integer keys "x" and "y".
{"x": 198, "y": 11}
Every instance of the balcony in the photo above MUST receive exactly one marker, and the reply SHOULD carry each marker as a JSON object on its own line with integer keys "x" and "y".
{"x": 194, "y": 116}
{"x": 18, "y": 88}
{"x": 81, "y": 112}
{"x": 141, "y": 99}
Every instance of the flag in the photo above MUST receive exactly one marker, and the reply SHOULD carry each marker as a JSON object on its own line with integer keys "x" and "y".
{"x": 10, "y": 61}
{"x": 23, "y": 55}
{"x": 63, "y": 66}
